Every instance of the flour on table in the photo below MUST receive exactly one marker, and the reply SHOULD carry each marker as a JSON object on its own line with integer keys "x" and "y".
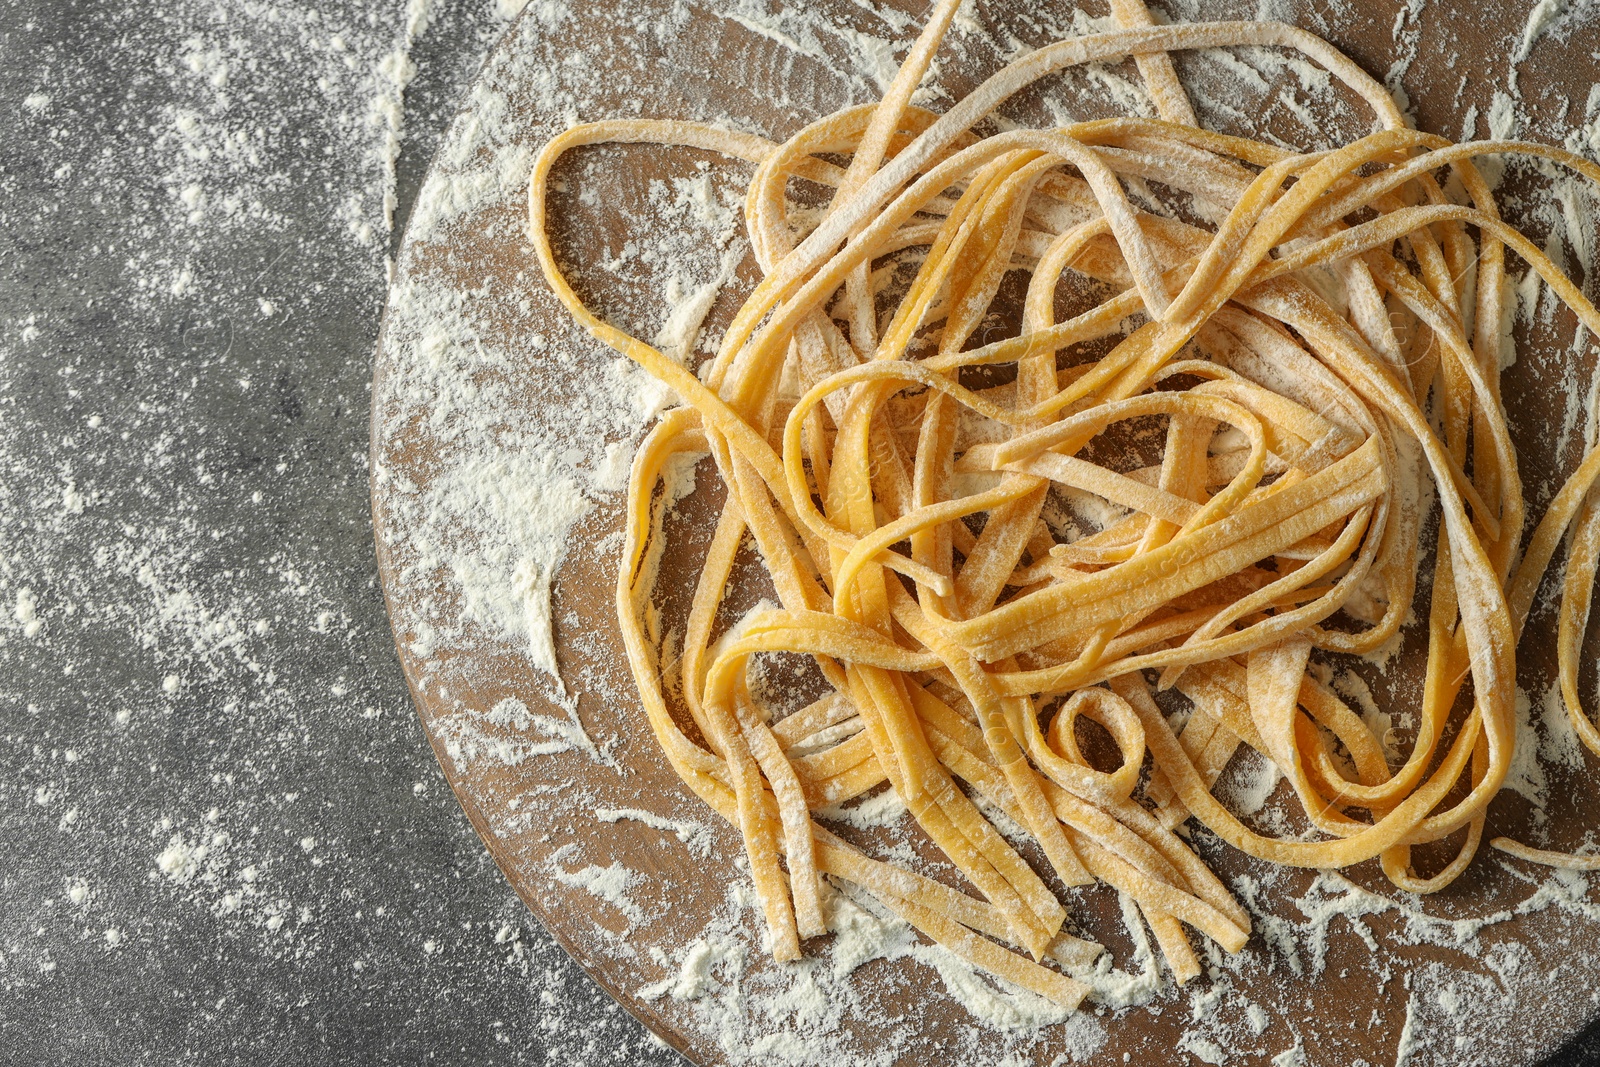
{"x": 194, "y": 664}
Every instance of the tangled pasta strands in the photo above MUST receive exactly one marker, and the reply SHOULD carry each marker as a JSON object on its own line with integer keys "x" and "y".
{"x": 839, "y": 421}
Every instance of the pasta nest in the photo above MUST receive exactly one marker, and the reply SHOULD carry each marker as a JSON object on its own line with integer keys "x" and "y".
{"x": 1313, "y": 336}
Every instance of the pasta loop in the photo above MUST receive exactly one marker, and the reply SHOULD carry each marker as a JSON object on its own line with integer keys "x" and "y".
{"x": 1217, "y": 496}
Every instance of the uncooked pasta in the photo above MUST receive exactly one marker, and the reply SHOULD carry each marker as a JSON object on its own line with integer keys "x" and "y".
{"x": 894, "y": 467}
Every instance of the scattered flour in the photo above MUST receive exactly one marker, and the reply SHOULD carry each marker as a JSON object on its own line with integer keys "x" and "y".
{"x": 692, "y": 834}
{"x": 509, "y": 733}
{"x": 609, "y": 883}
{"x": 195, "y": 676}
{"x": 1544, "y": 15}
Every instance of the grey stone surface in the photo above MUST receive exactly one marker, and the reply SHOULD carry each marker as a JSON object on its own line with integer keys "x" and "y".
{"x": 223, "y": 838}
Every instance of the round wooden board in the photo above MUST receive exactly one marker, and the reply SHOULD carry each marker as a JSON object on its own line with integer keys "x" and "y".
{"x": 494, "y": 421}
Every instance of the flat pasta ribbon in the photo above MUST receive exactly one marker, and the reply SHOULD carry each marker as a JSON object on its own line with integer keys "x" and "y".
{"x": 909, "y": 514}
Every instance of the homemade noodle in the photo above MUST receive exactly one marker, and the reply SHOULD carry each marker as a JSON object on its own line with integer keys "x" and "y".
{"x": 901, "y": 501}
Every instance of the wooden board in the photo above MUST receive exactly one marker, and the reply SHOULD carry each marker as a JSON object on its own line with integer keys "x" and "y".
{"x": 485, "y": 416}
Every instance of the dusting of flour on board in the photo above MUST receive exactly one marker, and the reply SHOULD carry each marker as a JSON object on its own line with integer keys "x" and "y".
{"x": 514, "y": 495}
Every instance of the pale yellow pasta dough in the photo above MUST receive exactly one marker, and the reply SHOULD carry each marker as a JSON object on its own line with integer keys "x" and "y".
{"x": 947, "y": 620}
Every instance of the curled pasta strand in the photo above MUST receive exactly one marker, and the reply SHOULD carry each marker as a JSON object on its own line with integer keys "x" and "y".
{"x": 908, "y": 516}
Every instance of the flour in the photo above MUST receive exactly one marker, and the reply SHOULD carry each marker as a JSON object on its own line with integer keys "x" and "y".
{"x": 609, "y": 883}
{"x": 180, "y": 859}
{"x": 867, "y": 60}
{"x": 386, "y": 107}
{"x": 1203, "y": 1049}
{"x": 881, "y": 809}
{"x": 26, "y": 613}
{"x": 989, "y": 1001}
{"x": 1410, "y": 1037}
{"x": 697, "y": 973}
{"x": 1291, "y": 1057}
{"x": 1527, "y": 774}
{"x": 692, "y": 834}
{"x": 196, "y": 672}
{"x": 521, "y": 500}
{"x": 1358, "y": 694}
{"x": 1248, "y": 783}
{"x": 689, "y": 305}
{"x": 1114, "y": 988}
{"x": 201, "y": 862}
{"x": 801, "y": 1017}
{"x": 1544, "y": 15}
{"x": 509, "y": 733}
{"x": 1407, "y": 34}
{"x": 1559, "y": 744}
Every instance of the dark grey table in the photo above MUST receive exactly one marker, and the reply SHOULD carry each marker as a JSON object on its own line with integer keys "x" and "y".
{"x": 222, "y": 835}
